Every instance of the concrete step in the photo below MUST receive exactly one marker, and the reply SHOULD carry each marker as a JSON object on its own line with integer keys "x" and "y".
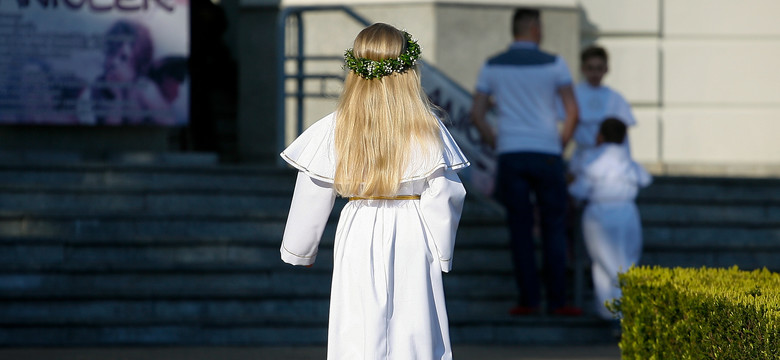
{"x": 534, "y": 330}
{"x": 749, "y": 214}
{"x": 175, "y": 182}
{"x": 235, "y": 203}
{"x": 529, "y": 331}
{"x": 223, "y": 177}
{"x": 270, "y": 227}
{"x": 63, "y": 158}
{"x": 215, "y": 284}
{"x": 258, "y": 177}
{"x": 145, "y": 225}
{"x": 696, "y": 237}
{"x": 152, "y": 202}
{"x": 745, "y": 259}
{"x": 474, "y": 232}
{"x": 194, "y": 257}
{"x": 251, "y": 256}
{"x": 267, "y": 178}
{"x": 479, "y": 248}
{"x": 241, "y": 312}
{"x": 63, "y": 285}
{"x": 147, "y": 177}
{"x": 163, "y": 335}
{"x": 108, "y": 312}
{"x": 130, "y": 201}
{"x": 263, "y": 227}
{"x": 220, "y": 203}
{"x": 56, "y": 320}
{"x": 711, "y": 190}
{"x": 190, "y": 258}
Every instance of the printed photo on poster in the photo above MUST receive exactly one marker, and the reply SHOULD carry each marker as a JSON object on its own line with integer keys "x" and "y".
{"x": 78, "y": 62}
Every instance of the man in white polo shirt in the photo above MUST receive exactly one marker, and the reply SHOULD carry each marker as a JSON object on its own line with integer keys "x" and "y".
{"x": 525, "y": 83}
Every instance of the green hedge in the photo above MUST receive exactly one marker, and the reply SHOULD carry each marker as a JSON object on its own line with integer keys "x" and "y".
{"x": 701, "y": 313}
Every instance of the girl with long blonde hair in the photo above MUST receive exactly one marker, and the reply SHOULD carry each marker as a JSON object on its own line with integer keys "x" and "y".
{"x": 385, "y": 150}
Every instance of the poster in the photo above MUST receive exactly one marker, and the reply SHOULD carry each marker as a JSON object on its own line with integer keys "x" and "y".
{"x": 94, "y": 62}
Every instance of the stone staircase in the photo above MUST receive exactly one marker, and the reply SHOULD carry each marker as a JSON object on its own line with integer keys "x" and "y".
{"x": 716, "y": 222}
{"x": 96, "y": 254}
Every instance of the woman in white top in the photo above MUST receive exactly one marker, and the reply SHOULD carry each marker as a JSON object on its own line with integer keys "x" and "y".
{"x": 387, "y": 152}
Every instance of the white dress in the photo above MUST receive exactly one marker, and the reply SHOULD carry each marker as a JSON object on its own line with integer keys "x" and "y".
{"x": 611, "y": 225}
{"x": 387, "y": 297}
{"x": 595, "y": 105}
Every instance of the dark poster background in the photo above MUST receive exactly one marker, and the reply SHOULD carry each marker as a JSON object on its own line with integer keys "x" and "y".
{"x": 94, "y": 62}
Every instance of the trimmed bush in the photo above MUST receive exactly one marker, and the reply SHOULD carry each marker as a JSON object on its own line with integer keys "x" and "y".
{"x": 700, "y": 313}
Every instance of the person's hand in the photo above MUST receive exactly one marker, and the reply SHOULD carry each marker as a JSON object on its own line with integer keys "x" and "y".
{"x": 570, "y": 178}
{"x": 490, "y": 140}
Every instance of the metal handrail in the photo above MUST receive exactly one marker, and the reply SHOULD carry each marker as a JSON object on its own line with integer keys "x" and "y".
{"x": 281, "y": 108}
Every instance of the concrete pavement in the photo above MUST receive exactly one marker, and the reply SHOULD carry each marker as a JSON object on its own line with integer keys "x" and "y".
{"x": 460, "y": 352}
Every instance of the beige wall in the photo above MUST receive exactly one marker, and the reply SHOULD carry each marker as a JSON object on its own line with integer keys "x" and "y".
{"x": 456, "y": 36}
{"x": 466, "y": 35}
{"x": 330, "y": 33}
{"x": 700, "y": 75}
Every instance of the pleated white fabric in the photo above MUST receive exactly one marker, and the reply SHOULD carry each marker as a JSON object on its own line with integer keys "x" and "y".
{"x": 387, "y": 296}
{"x": 611, "y": 224}
{"x": 313, "y": 153}
{"x": 613, "y": 238}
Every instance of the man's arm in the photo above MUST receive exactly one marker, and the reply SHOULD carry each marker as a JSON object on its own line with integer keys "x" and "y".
{"x": 479, "y": 109}
{"x": 572, "y": 113}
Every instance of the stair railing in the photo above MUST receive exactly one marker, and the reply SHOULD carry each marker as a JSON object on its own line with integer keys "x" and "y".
{"x": 300, "y": 75}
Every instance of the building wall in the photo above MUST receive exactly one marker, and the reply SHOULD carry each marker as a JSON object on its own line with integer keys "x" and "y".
{"x": 328, "y": 34}
{"x": 257, "y": 128}
{"x": 468, "y": 34}
{"x": 700, "y": 75}
{"x": 456, "y": 37}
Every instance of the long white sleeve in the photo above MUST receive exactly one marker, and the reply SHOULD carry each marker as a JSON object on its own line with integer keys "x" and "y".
{"x": 441, "y": 205}
{"x": 311, "y": 205}
{"x": 644, "y": 178}
{"x": 580, "y": 188}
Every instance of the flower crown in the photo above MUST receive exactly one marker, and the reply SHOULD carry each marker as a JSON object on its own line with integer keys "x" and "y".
{"x": 372, "y": 69}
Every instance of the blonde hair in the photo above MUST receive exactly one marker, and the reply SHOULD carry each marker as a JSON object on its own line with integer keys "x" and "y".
{"x": 380, "y": 122}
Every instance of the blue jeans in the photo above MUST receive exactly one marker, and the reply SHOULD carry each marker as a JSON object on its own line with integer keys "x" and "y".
{"x": 519, "y": 175}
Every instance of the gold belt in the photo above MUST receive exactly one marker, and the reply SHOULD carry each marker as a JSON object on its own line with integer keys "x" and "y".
{"x": 399, "y": 197}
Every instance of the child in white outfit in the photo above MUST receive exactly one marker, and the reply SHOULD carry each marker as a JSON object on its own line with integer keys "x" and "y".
{"x": 609, "y": 183}
{"x": 385, "y": 150}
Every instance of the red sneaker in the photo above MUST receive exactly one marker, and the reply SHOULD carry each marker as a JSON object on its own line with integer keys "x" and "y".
{"x": 567, "y": 311}
{"x": 524, "y": 310}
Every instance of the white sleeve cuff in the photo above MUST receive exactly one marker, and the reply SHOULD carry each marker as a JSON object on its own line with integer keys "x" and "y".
{"x": 294, "y": 259}
{"x": 446, "y": 265}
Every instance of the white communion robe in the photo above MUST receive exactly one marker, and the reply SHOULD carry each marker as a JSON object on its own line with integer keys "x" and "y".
{"x": 611, "y": 225}
{"x": 595, "y": 105}
{"x": 387, "y": 296}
